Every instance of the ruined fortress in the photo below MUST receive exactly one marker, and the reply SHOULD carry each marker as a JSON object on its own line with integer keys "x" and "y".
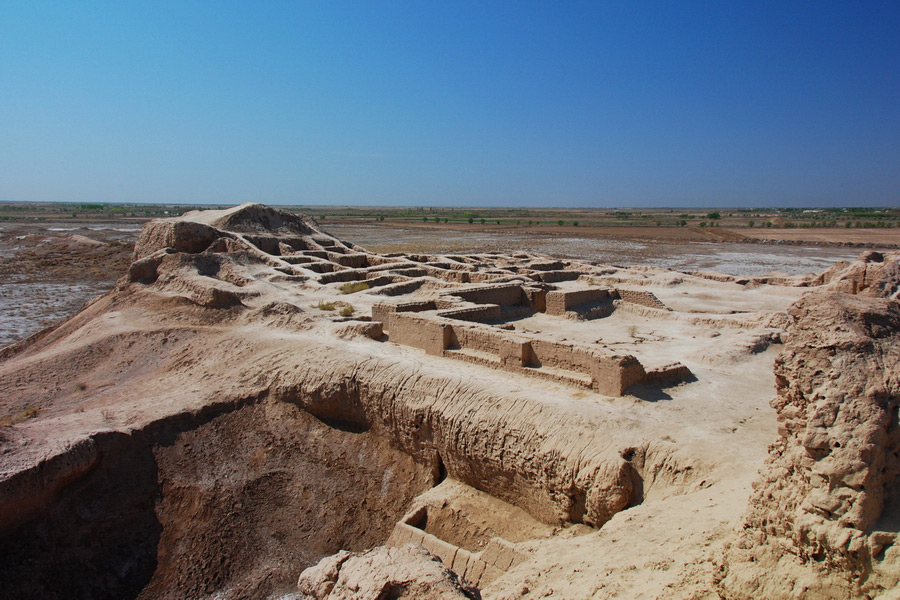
{"x": 259, "y": 409}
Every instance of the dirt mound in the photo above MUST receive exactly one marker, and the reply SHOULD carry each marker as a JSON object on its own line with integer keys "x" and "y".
{"x": 258, "y": 218}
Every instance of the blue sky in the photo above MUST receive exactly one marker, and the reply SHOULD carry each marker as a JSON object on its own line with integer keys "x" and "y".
{"x": 606, "y": 104}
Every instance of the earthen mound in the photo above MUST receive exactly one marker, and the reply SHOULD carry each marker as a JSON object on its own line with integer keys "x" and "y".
{"x": 258, "y": 218}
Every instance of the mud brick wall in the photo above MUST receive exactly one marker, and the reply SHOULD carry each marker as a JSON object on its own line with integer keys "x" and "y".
{"x": 503, "y": 295}
{"x": 486, "y": 313}
{"x": 537, "y": 298}
{"x": 554, "y": 276}
{"x": 610, "y": 375}
{"x": 356, "y": 261}
{"x": 559, "y": 302}
{"x": 429, "y": 334}
{"x": 382, "y": 311}
{"x": 641, "y": 297}
{"x": 613, "y": 375}
{"x": 482, "y": 339}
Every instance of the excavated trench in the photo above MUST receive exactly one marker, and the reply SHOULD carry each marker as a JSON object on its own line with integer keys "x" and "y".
{"x": 234, "y": 502}
{"x": 237, "y": 499}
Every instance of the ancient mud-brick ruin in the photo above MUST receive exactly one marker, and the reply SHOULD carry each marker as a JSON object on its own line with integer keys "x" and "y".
{"x": 259, "y": 409}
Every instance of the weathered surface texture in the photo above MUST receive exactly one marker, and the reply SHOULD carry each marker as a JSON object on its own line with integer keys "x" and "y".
{"x": 230, "y": 414}
{"x": 826, "y": 510}
{"x": 407, "y": 572}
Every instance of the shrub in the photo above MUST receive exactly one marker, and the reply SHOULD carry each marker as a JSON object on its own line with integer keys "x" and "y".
{"x": 351, "y": 287}
{"x": 323, "y": 305}
{"x": 28, "y": 413}
{"x": 347, "y": 311}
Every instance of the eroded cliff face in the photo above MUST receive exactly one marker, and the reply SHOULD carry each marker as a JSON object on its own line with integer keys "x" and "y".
{"x": 825, "y": 512}
{"x": 213, "y": 426}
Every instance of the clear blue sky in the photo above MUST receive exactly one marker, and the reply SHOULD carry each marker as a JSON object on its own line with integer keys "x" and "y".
{"x": 619, "y": 103}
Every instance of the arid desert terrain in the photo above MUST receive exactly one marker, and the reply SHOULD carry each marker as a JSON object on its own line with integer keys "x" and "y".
{"x": 265, "y": 407}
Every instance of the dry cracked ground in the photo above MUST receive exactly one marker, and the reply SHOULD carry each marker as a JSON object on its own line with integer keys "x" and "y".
{"x": 261, "y": 410}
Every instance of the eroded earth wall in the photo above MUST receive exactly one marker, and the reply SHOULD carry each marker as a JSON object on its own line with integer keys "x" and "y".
{"x": 825, "y": 512}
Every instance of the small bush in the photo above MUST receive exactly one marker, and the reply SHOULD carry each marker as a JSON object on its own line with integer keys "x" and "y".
{"x": 351, "y": 287}
{"x": 323, "y": 305}
{"x": 347, "y": 311}
{"x": 29, "y": 412}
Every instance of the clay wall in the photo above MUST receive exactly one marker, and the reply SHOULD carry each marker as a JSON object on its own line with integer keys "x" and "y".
{"x": 670, "y": 373}
{"x": 355, "y": 261}
{"x": 390, "y": 266}
{"x": 547, "y": 266}
{"x": 481, "y": 339}
{"x": 571, "y": 363}
{"x": 343, "y": 276}
{"x": 464, "y": 563}
{"x": 374, "y": 280}
{"x": 642, "y": 298}
{"x": 429, "y": 334}
{"x": 610, "y": 375}
{"x": 448, "y": 274}
{"x": 613, "y": 375}
{"x": 558, "y": 302}
{"x": 554, "y": 276}
{"x": 537, "y": 298}
{"x": 500, "y": 294}
{"x": 382, "y": 311}
{"x": 484, "y": 313}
